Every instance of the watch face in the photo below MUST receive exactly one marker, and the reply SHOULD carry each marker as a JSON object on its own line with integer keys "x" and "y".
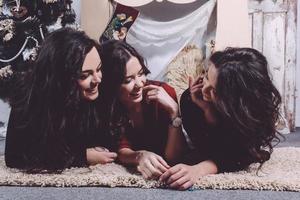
{"x": 177, "y": 122}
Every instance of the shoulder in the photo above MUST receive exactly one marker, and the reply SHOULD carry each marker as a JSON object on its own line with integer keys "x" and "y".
{"x": 185, "y": 99}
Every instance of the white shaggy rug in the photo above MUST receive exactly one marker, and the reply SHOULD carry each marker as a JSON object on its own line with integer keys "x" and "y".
{"x": 280, "y": 173}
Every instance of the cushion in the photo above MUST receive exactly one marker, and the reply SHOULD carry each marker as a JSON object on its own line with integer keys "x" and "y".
{"x": 189, "y": 62}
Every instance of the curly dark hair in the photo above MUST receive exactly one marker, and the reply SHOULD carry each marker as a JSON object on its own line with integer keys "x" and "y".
{"x": 247, "y": 99}
{"x": 48, "y": 100}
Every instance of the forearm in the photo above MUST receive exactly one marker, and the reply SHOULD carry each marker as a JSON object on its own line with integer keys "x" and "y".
{"x": 176, "y": 141}
{"x": 175, "y": 144}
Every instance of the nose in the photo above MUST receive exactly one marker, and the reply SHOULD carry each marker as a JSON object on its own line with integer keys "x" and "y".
{"x": 97, "y": 77}
{"x": 139, "y": 83}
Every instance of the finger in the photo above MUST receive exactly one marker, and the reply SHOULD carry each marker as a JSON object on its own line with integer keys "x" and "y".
{"x": 179, "y": 182}
{"x": 101, "y": 149}
{"x": 152, "y": 97}
{"x": 163, "y": 162}
{"x": 147, "y": 173}
{"x": 154, "y": 171}
{"x": 150, "y": 87}
{"x": 142, "y": 171}
{"x": 109, "y": 154}
{"x": 145, "y": 176}
{"x": 152, "y": 92}
{"x": 175, "y": 177}
{"x": 197, "y": 87}
{"x": 190, "y": 81}
{"x": 173, "y": 170}
{"x": 158, "y": 166}
{"x": 110, "y": 160}
{"x": 186, "y": 185}
{"x": 199, "y": 79}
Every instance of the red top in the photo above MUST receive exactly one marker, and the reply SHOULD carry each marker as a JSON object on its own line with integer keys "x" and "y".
{"x": 154, "y": 134}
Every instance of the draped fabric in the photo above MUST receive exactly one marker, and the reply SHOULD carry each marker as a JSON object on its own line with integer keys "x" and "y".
{"x": 160, "y": 41}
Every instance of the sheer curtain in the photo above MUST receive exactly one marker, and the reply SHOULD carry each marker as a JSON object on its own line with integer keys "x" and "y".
{"x": 159, "y": 38}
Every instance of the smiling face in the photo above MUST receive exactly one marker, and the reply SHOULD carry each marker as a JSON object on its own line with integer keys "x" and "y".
{"x": 131, "y": 90}
{"x": 210, "y": 83}
{"x": 90, "y": 76}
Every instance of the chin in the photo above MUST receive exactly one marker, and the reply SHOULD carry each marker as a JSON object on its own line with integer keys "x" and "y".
{"x": 137, "y": 100}
{"x": 91, "y": 97}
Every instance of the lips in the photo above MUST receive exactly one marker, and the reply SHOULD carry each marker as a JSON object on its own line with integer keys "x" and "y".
{"x": 136, "y": 94}
{"x": 92, "y": 91}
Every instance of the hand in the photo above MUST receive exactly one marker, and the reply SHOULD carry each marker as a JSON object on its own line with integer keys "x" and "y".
{"x": 180, "y": 176}
{"x": 196, "y": 92}
{"x": 99, "y": 155}
{"x": 151, "y": 165}
{"x": 157, "y": 93}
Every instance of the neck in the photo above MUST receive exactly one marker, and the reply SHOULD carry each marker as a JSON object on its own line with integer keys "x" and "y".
{"x": 134, "y": 108}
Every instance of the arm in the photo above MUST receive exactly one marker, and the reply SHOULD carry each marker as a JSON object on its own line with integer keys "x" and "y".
{"x": 176, "y": 141}
{"x": 195, "y": 89}
{"x": 166, "y": 97}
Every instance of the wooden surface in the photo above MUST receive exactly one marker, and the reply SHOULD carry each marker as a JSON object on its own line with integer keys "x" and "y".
{"x": 273, "y": 25}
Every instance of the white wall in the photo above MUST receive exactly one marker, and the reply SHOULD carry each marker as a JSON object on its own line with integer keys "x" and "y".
{"x": 298, "y": 69}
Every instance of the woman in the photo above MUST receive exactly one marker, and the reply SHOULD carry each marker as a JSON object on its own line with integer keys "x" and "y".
{"x": 54, "y": 123}
{"x": 143, "y": 113}
{"x": 229, "y": 115}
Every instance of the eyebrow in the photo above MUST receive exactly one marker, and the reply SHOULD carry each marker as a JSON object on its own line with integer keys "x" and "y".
{"x": 89, "y": 70}
{"x": 133, "y": 75}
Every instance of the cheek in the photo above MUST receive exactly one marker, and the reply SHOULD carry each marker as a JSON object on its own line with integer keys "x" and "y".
{"x": 144, "y": 79}
{"x": 205, "y": 89}
{"x": 125, "y": 90}
{"x": 83, "y": 84}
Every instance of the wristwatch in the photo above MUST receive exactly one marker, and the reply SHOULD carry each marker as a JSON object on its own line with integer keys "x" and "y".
{"x": 176, "y": 122}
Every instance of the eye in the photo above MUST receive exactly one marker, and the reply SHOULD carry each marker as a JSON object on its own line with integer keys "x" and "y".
{"x": 141, "y": 73}
{"x": 83, "y": 76}
{"x": 127, "y": 80}
{"x": 99, "y": 68}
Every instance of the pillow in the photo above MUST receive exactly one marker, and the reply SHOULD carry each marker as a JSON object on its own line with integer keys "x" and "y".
{"x": 189, "y": 62}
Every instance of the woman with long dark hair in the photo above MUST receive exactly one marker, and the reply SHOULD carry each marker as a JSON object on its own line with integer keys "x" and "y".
{"x": 143, "y": 114}
{"x": 229, "y": 115}
{"x": 55, "y": 122}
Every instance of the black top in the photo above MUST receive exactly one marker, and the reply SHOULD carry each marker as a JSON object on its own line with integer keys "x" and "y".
{"x": 27, "y": 148}
{"x": 218, "y": 143}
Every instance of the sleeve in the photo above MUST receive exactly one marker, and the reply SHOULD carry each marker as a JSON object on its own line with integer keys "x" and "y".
{"x": 230, "y": 157}
{"x": 16, "y": 141}
{"x": 193, "y": 121}
{"x": 198, "y": 132}
{"x": 124, "y": 142}
{"x": 170, "y": 90}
